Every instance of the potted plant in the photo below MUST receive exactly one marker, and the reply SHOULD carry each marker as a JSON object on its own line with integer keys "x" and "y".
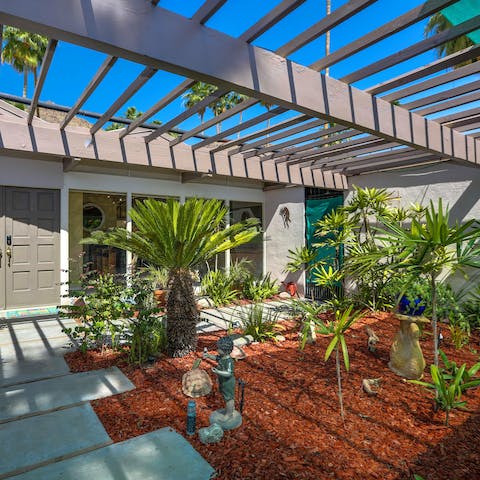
{"x": 159, "y": 278}
{"x": 414, "y": 297}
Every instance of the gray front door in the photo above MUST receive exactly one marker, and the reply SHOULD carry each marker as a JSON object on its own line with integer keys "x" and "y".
{"x": 31, "y": 247}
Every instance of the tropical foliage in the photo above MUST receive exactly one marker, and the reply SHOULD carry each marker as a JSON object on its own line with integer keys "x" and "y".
{"x": 179, "y": 238}
{"x": 450, "y": 383}
{"x": 24, "y": 51}
{"x": 260, "y": 322}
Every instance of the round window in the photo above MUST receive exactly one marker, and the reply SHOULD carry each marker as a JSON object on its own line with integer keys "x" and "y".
{"x": 92, "y": 217}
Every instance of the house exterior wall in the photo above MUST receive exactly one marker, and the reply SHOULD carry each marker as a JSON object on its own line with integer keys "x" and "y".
{"x": 282, "y": 236}
{"x": 457, "y": 185}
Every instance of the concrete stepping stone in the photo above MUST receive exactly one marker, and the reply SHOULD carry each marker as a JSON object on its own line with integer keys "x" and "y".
{"x": 33, "y": 365}
{"x": 159, "y": 455}
{"x": 34, "y": 441}
{"x": 46, "y": 395}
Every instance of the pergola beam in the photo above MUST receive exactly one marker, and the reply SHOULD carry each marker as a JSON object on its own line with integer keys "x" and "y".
{"x": 332, "y": 153}
{"x": 400, "y": 153}
{"x": 391, "y": 164}
{"x": 278, "y": 147}
{"x": 208, "y": 10}
{"x": 375, "y": 36}
{"x": 448, "y": 77}
{"x": 422, "y": 72}
{"x": 325, "y": 140}
{"x": 242, "y": 106}
{"x": 326, "y": 24}
{"x": 437, "y": 98}
{"x": 414, "y": 50}
{"x": 263, "y": 132}
{"x": 270, "y": 19}
{"x": 163, "y": 102}
{"x": 132, "y": 89}
{"x": 273, "y": 138}
{"x": 189, "y": 112}
{"x": 46, "y": 62}
{"x": 90, "y": 88}
{"x": 145, "y": 35}
{"x": 321, "y": 161}
{"x": 238, "y": 128}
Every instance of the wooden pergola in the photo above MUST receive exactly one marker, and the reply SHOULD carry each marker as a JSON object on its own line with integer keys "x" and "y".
{"x": 337, "y": 131}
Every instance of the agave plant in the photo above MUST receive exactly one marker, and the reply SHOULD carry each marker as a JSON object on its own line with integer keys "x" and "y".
{"x": 179, "y": 238}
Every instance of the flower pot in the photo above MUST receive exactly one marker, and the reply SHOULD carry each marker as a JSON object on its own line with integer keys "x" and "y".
{"x": 405, "y": 307}
{"x": 161, "y": 297}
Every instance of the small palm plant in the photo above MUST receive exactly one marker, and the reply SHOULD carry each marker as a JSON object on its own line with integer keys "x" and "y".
{"x": 343, "y": 320}
{"x": 179, "y": 238}
{"x": 449, "y": 388}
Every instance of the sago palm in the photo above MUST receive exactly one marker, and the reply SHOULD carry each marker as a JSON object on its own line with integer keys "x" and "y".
{"x": 179, "y": 238}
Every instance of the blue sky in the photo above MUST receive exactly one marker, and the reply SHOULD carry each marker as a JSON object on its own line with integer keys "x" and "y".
{"x": 73, "y": 66}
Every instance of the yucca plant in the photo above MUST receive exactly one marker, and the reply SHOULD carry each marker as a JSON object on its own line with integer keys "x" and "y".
{"x": 179, "y": 238}
{"x": 343, "y": 320}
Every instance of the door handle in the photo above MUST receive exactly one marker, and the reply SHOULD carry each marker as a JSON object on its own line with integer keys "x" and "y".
{"x": 1, "y": 256}
{"x": 9, "y": 255}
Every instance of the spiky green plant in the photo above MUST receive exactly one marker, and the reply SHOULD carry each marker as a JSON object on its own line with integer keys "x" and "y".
{"x": 179, "y": 238}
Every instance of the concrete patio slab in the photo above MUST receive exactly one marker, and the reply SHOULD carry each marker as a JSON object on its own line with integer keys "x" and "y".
{"x": 34, "y": 441}
{"x": 46, "y": 395}
{"x": 159, "y": 455}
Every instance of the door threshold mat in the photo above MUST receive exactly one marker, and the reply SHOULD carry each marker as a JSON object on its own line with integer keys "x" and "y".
{"x": 28, "y": 312}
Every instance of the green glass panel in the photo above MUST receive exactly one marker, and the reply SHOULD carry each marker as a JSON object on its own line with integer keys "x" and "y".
{"x": 462, "y": 11}
{"x": 315, "y": 210}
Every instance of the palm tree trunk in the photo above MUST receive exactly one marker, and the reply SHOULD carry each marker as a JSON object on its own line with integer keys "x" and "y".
{"x": 182, "y": 315}
{"x": 25, "y": 82}
{"x": 339, "y": 379}
{"x": 327, "y": 37}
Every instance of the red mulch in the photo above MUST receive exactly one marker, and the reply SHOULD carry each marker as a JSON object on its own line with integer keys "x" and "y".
{"x": 291, "y": 423}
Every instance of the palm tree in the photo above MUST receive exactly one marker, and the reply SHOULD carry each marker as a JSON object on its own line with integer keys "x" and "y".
{"x": 24, "y": 51}
{"x": 201, "y": 90}
{"x": 196, "y": 94}
{"x": 179, "y": 238}
{"x": 439, "y": 23}
{"x": 131, "y": 113}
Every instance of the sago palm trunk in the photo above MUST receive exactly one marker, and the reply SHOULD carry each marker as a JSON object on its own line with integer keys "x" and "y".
{"x": 182, "y": 315}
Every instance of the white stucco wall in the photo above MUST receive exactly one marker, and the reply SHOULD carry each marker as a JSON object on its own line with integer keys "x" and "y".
{"x": 457, "y": 185}
{"x": 22, "y": 172}
{"x": 281, "y": 236}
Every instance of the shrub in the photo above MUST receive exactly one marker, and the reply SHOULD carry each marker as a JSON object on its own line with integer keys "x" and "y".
{"x": 104, "y": 303}
{"x": 258, "y": 289}
{"x": 219, "y": 287}
{"x": 261, "y": 323}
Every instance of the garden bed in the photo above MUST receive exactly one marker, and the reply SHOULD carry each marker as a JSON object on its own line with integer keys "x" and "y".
{"x": 292, "y": 428}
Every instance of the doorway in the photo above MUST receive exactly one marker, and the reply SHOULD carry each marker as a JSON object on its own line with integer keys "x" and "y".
{"x": 29, "y": 247}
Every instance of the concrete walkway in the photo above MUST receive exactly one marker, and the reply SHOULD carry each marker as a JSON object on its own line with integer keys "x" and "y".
{"x": 48, "y": 430}
{"x": 224, "y": 318}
